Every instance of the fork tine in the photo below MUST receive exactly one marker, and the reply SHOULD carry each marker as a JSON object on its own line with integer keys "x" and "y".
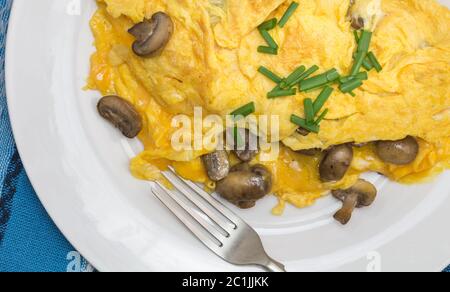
{"x": 187, "y": 220}
{"x": 220, "y": 237}
{"x": 241, "y": 247}
{"x": 224, "y": 211}
{"x": 222, "y": 221}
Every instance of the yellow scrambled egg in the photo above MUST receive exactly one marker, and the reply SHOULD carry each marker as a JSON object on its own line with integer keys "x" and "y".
{"x": 211, "y": 61}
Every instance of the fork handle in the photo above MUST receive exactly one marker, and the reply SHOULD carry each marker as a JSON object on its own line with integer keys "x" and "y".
{"x": 274, "y": 266}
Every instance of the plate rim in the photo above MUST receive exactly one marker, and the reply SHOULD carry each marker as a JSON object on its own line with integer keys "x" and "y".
{"x": 92, "y": 259}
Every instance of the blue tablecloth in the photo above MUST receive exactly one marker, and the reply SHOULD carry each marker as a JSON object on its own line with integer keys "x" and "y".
{"x": 29, "y": 241}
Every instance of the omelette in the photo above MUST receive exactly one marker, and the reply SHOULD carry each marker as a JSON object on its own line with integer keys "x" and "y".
{"x": 211, "y": 58}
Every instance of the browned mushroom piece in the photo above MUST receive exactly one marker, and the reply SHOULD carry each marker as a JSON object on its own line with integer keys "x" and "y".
{"x": 217, "y": 165}
{"x": 240, "y": 167}
{"x": 336, "y": 162}
{"x": 365, "y": 14}
{"x": 250, "y": 149}
{"x": 245, "y": 184}
{"x": 359, "y": 145}
{"x": 357, "y": 23}
{"x": 122, "y": 114}
{"x": 401, "y": 152}
{"x": 303, "y": 132}
{"x": 362, "y": 194}
{"x": 246, "y": 204}
{"x": 152, "y": 35}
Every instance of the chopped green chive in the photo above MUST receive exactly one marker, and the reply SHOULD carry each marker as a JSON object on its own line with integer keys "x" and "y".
{"x": 294, "y": 76}
{"x": 333, "y": 75}
{"x": 309, "y": 111}
{"x": 283, "y": 84}
{"x": 352, "y": 93}
{"x": 278, "y": 87}
{"x": 319, "y": 80}
{"x": 269, "y": 74}
{"x": 356, "y": 34}
{"x": 359, "y": 58}
{"x": 320, "y": 87}
{"x": 268, "y": 38}
{"x": 346, "y": 79}
{"x": 306, "y": 74}
{"x": 322, "y": 99}
{"x": 367, "y": 64}
{"x": 289, "y": 12}
{"x": 302, "y": 123}
{"x": 244, "y": 111}
{"x": 313, "y": 82}
{"x": 268, "y": 50}
{"x": 280, "y": 93}
{"x": 321, "y": 117}
{"x": 350, "y": 85}
{"x": 360, "y": 76}
{"x": 268, "y": 25}
{"x": 374, "y": 61}
{"x": 364, "y": 41}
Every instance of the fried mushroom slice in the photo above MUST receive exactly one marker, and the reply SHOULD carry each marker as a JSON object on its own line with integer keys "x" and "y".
{"x": 365, "y": 14}
{"x": 362, "y": 194}
{"x": 245, "y": 185}
{"x": 152, "y": 35}
{"x": 122, "y": 114}
{"x": 250, "y": 149}
{"x": 335, "y": 163}
{"x": 303, "y": 132}
{"x": 401, "y": 152}
{"x": 217, "y": 165}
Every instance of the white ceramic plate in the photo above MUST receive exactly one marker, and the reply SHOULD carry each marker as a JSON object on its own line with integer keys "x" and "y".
{"x": 79, "y": 167}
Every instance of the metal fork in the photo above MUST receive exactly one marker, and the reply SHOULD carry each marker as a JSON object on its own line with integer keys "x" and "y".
{"x": 216, "y": 226}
